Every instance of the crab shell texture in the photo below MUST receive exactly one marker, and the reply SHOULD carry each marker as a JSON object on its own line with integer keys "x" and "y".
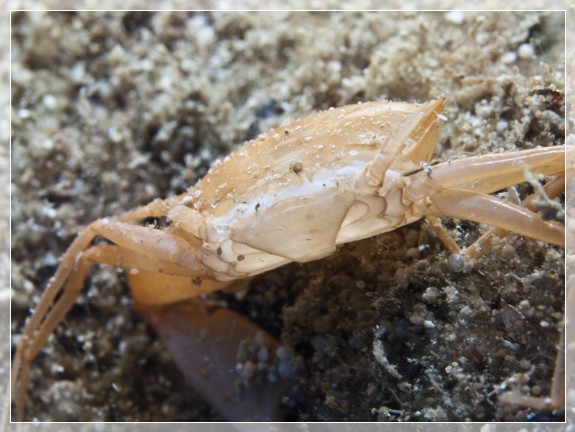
{"x": 293, "y": 193}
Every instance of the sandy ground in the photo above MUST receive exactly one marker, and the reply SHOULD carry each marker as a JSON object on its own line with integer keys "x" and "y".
{"x": 112, "y": 110}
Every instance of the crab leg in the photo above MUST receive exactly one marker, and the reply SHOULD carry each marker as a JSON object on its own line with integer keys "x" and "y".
{"x": 556, "y": 398}
{"x": 493, "y": 211}
{"x": 38, "y": 330}
{"x": 420, "y": 129}
{"x": 33, "y": 339}
{"x": 156, "y": 208}
{"x": 483, "y": 244}
{"x": 67, "y": 265}
{"x": 490, "y": 173}
{"x": 69, "y": 278}
{"x": 563, "y": 365}
{"x": 446, "y": 238}
{"x": 460, "y": 189}
{"x": 158, "y": 245}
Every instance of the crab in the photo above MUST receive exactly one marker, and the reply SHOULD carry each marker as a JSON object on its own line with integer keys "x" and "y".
{"x": 291, "y": 195}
